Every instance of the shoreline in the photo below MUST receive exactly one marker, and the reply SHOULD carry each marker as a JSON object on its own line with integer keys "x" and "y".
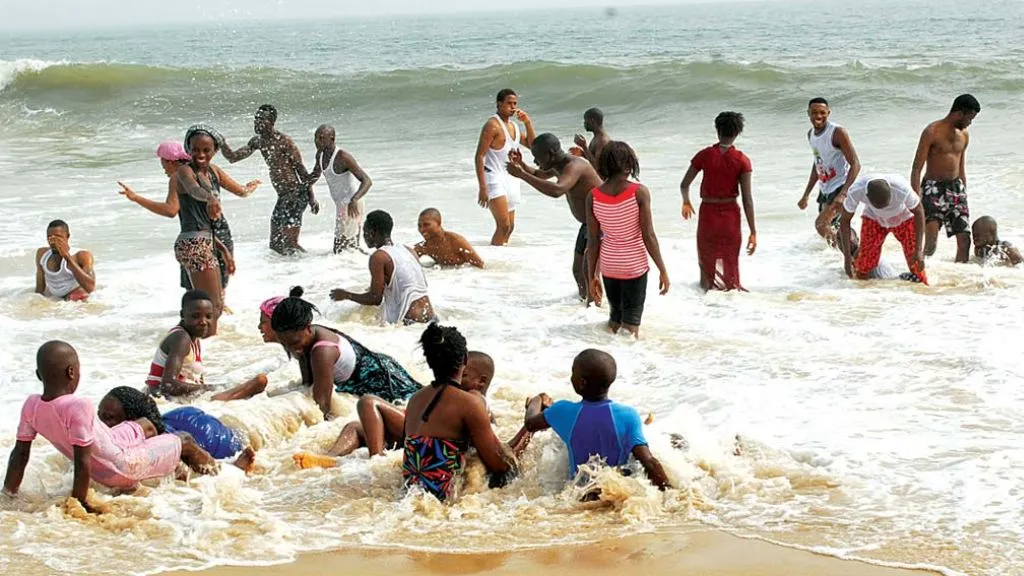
{"x": 705, "y": 552}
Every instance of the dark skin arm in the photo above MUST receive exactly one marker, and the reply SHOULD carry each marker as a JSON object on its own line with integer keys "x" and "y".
{"x": 16, "y": 466}
{"x": 924, "y": 145}
{"x": 919, "y": 225}
{"x": 487, "y": 135}
{"x": 593, "y": 251}
{"x": 40, "y": 278}
{"x": 79, "y": 264}
{"x": 188, "y": 183}
{"x": 365, "y": 182}
{"x": 684, "y": 188}
{"x": 643, "y": 200}
{"x": 168, "y": 208}
{"x": 535, "y": 421}
{"x": 566, "y": 180}
{"x": 242, "y": 153}
{"x": 228, "y": 183}
{"x": 748, "y": 210}
{"x": 322, "y": 362}
{"x": 1013, "y": 255}
{"x": 463, "y": 246}
{"x": 178, "y": 344}
{"x": 80, "y": 487}
{"x": 841, "y": 139}
{"x": 844, "y": 233}
{"x": 655, "y": 471}
{"x": 494, "y": 454}
{"x": 379, "y": 263}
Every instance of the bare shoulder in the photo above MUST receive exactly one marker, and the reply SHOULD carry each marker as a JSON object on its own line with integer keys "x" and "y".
{"x": 379, "y": 257}
{"x": 41, "y": 251}
{"x": 83, "y": 257}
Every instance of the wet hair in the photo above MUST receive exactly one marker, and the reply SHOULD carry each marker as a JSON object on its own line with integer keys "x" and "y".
{"x": 618, "y": 158}
{"x": 594, "y": 114}
{"x": 194, "y": 296}
{"x": 137, "y": 404}
{"x": 379, "y": 222}
{"x": 431, "y": 213}
{"x": 966, "y": 104}
{"x": 267, "y": 111}
{"x": 445, "y": 350}
{"x": 818, "y": 100}
{"x": 293, "y": 313}
{"x": 546, "y": 142}
{"x": 58, "y": 224}
{"x": 729, "y": 124}
{"x": 505, "y": 93}
{"x": 597, "y": 368}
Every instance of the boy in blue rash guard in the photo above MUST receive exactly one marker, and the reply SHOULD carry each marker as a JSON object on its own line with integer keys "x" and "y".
{"x": 209, "y": 433}
{"x": 596, "y": 426}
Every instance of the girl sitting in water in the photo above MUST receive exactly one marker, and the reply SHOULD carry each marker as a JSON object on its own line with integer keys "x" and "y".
{"x": 443, "y": 420}
{"x": 124, "y": 403}
{"x": 331, "y": 361}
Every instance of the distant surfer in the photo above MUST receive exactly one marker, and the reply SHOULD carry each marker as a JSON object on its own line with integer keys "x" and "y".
{"x": 890, "y": 206}
{"x": 942, "y": 153}
{"x": 499, "y": 142}
{"x": 348, "y": 184}
{"x": 288, "y": 175}
{"x": 60, "y": 274}
{"x": 576, "y": 178}
{"x": 835, "y": 168}
{"x": 593, "y": 122}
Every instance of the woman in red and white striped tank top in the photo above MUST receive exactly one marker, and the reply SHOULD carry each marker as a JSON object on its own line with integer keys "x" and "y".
{"x": 621, "y": 236}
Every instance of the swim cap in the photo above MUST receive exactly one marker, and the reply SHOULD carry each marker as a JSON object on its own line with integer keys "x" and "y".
{"x": 202, "y": 129}
{"x": 172, "y": 151}
{"x": 270, "y": 304}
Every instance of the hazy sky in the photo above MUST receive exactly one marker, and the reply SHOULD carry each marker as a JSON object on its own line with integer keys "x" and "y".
{"x": 45, "y": 14}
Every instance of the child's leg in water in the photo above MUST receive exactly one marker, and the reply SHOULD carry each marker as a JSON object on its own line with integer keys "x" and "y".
{"x": 380, "y": 426}
{"x": 246, "y": 461}
{"x": 243, "y": 391}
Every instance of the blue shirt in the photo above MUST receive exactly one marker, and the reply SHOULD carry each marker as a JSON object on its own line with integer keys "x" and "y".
{"x": 606, "y": 429}
{"x": 209, "y": 433}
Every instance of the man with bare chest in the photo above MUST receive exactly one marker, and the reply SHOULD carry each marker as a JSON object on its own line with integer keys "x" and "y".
{"x": 289, "y": 176}
{"x": 942, "y": 153}
{"x": 576, "y": 179}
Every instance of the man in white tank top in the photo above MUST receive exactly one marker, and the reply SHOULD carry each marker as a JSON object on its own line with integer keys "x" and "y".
{"x": 60, "y": 274}
{"x": 397, "y": 282}
{"x": 500, "y": 139}
{"x": 348, "y": 184}
{"x": 835, "y": 167}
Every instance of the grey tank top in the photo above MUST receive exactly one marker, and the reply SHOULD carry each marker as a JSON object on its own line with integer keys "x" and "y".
{"x": 192, "y": 212}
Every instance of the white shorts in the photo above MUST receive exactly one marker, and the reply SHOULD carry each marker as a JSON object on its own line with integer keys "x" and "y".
{"x": 347, "y": 227}
{"x": 507, "y": 186}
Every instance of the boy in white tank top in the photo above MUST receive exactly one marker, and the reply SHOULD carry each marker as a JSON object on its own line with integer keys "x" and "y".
{"x": 59, "y": 273}
{"x": 348, "y": 184}
{"x": 835, "y": 167}
{"x": 499, "y": 143}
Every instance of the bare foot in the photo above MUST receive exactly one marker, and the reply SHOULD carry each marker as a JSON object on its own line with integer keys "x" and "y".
{"x": 246, "y": 461}
{"x": 307, "y": 460}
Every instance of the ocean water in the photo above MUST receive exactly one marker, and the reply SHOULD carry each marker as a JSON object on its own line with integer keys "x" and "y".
{"x": 880, "y": 421}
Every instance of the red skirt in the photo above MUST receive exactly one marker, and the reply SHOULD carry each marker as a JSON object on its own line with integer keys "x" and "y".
{"x": 719, "y": 239}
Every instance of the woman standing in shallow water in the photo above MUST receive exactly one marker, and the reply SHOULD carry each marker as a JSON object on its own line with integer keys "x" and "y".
{"x": 172, "y": 157}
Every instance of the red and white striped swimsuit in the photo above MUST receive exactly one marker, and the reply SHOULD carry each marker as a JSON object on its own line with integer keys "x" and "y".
{"x": 191, "y": 366}
{"x": 623, "y": 253}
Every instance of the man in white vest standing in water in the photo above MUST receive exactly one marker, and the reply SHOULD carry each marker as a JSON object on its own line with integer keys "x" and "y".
{"x": 835, "y": 167}
{"x": 500, "y": 139}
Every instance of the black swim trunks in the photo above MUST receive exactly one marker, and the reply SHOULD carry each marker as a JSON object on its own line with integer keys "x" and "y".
{"x": 581, "y": 240}
{"x": 288, "y": 211}
{"x": 826, "y": 199}
{"x": 946, "y": 202}
{"x": 626, "y": 299}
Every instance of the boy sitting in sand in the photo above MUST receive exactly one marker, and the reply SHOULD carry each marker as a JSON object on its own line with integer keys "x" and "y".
{"x": 177, "y": 367}
{"x": 381, "y": 424}
{"x": 118, "y": 457}
{"x": 596, "y": 426}
{"x": 988, "y": 247}
{"x": 446, "y": 248}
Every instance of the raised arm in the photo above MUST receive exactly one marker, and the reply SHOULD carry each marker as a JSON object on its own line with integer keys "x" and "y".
{"x": 527, "y": 138}
{"x": 242, "y": 153}
{"x": 923, "y": 146}
{"x": 841, "y": 139}
{"x": 748, "y": 210}
{"x": 487, "y": 135}
{"x": 168, "y": 208}
{"x": 643, "y": 200}
{"x": 228, "y": 183}
{"x": 534, "y": 420}
{"x": 322, "y": 361}
{"x": 178, "y": 345}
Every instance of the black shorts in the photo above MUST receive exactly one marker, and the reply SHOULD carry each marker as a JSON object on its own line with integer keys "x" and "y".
{"x": 288, "y": 211}
{"x": 581, "y": 240}
{"x": 826, "y": 199}
{"x": 626, "y": 299}
{"x": 223, "y": 233}
{"x": 946, "y": 202}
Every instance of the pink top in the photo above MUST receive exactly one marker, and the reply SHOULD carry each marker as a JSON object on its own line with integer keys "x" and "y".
{"x": 623, "y": 253}
{"x": 121, "y": 456}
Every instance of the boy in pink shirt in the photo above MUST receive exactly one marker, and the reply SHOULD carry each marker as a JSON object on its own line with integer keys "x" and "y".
{"x": 116, "y": 457}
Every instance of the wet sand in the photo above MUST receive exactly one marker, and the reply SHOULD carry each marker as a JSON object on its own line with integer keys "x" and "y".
{"x": 705, "y": 553}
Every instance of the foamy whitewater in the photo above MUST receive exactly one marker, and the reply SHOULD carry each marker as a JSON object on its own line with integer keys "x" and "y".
{"x": 881, "y": 420}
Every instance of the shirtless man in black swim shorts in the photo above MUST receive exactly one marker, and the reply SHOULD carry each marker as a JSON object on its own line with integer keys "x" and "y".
{"x": 942, "y": 151}
{"x": 288, "y": 175}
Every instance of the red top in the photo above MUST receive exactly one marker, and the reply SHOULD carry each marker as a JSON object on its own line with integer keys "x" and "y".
{"x": 722, "y": 171}
{"x": 623, "y": 253}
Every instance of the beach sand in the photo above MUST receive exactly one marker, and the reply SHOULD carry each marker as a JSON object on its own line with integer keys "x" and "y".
{"x": 703, "y": 553}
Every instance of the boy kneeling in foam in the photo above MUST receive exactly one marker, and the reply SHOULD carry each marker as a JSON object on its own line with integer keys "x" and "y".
{"x": 988, "y": 247}
{"x": 596, "y": 426}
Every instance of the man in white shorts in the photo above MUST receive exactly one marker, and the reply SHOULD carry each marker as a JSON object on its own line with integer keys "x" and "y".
{"x": 499, "y": 142}
{"x": 348, "y": 183}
